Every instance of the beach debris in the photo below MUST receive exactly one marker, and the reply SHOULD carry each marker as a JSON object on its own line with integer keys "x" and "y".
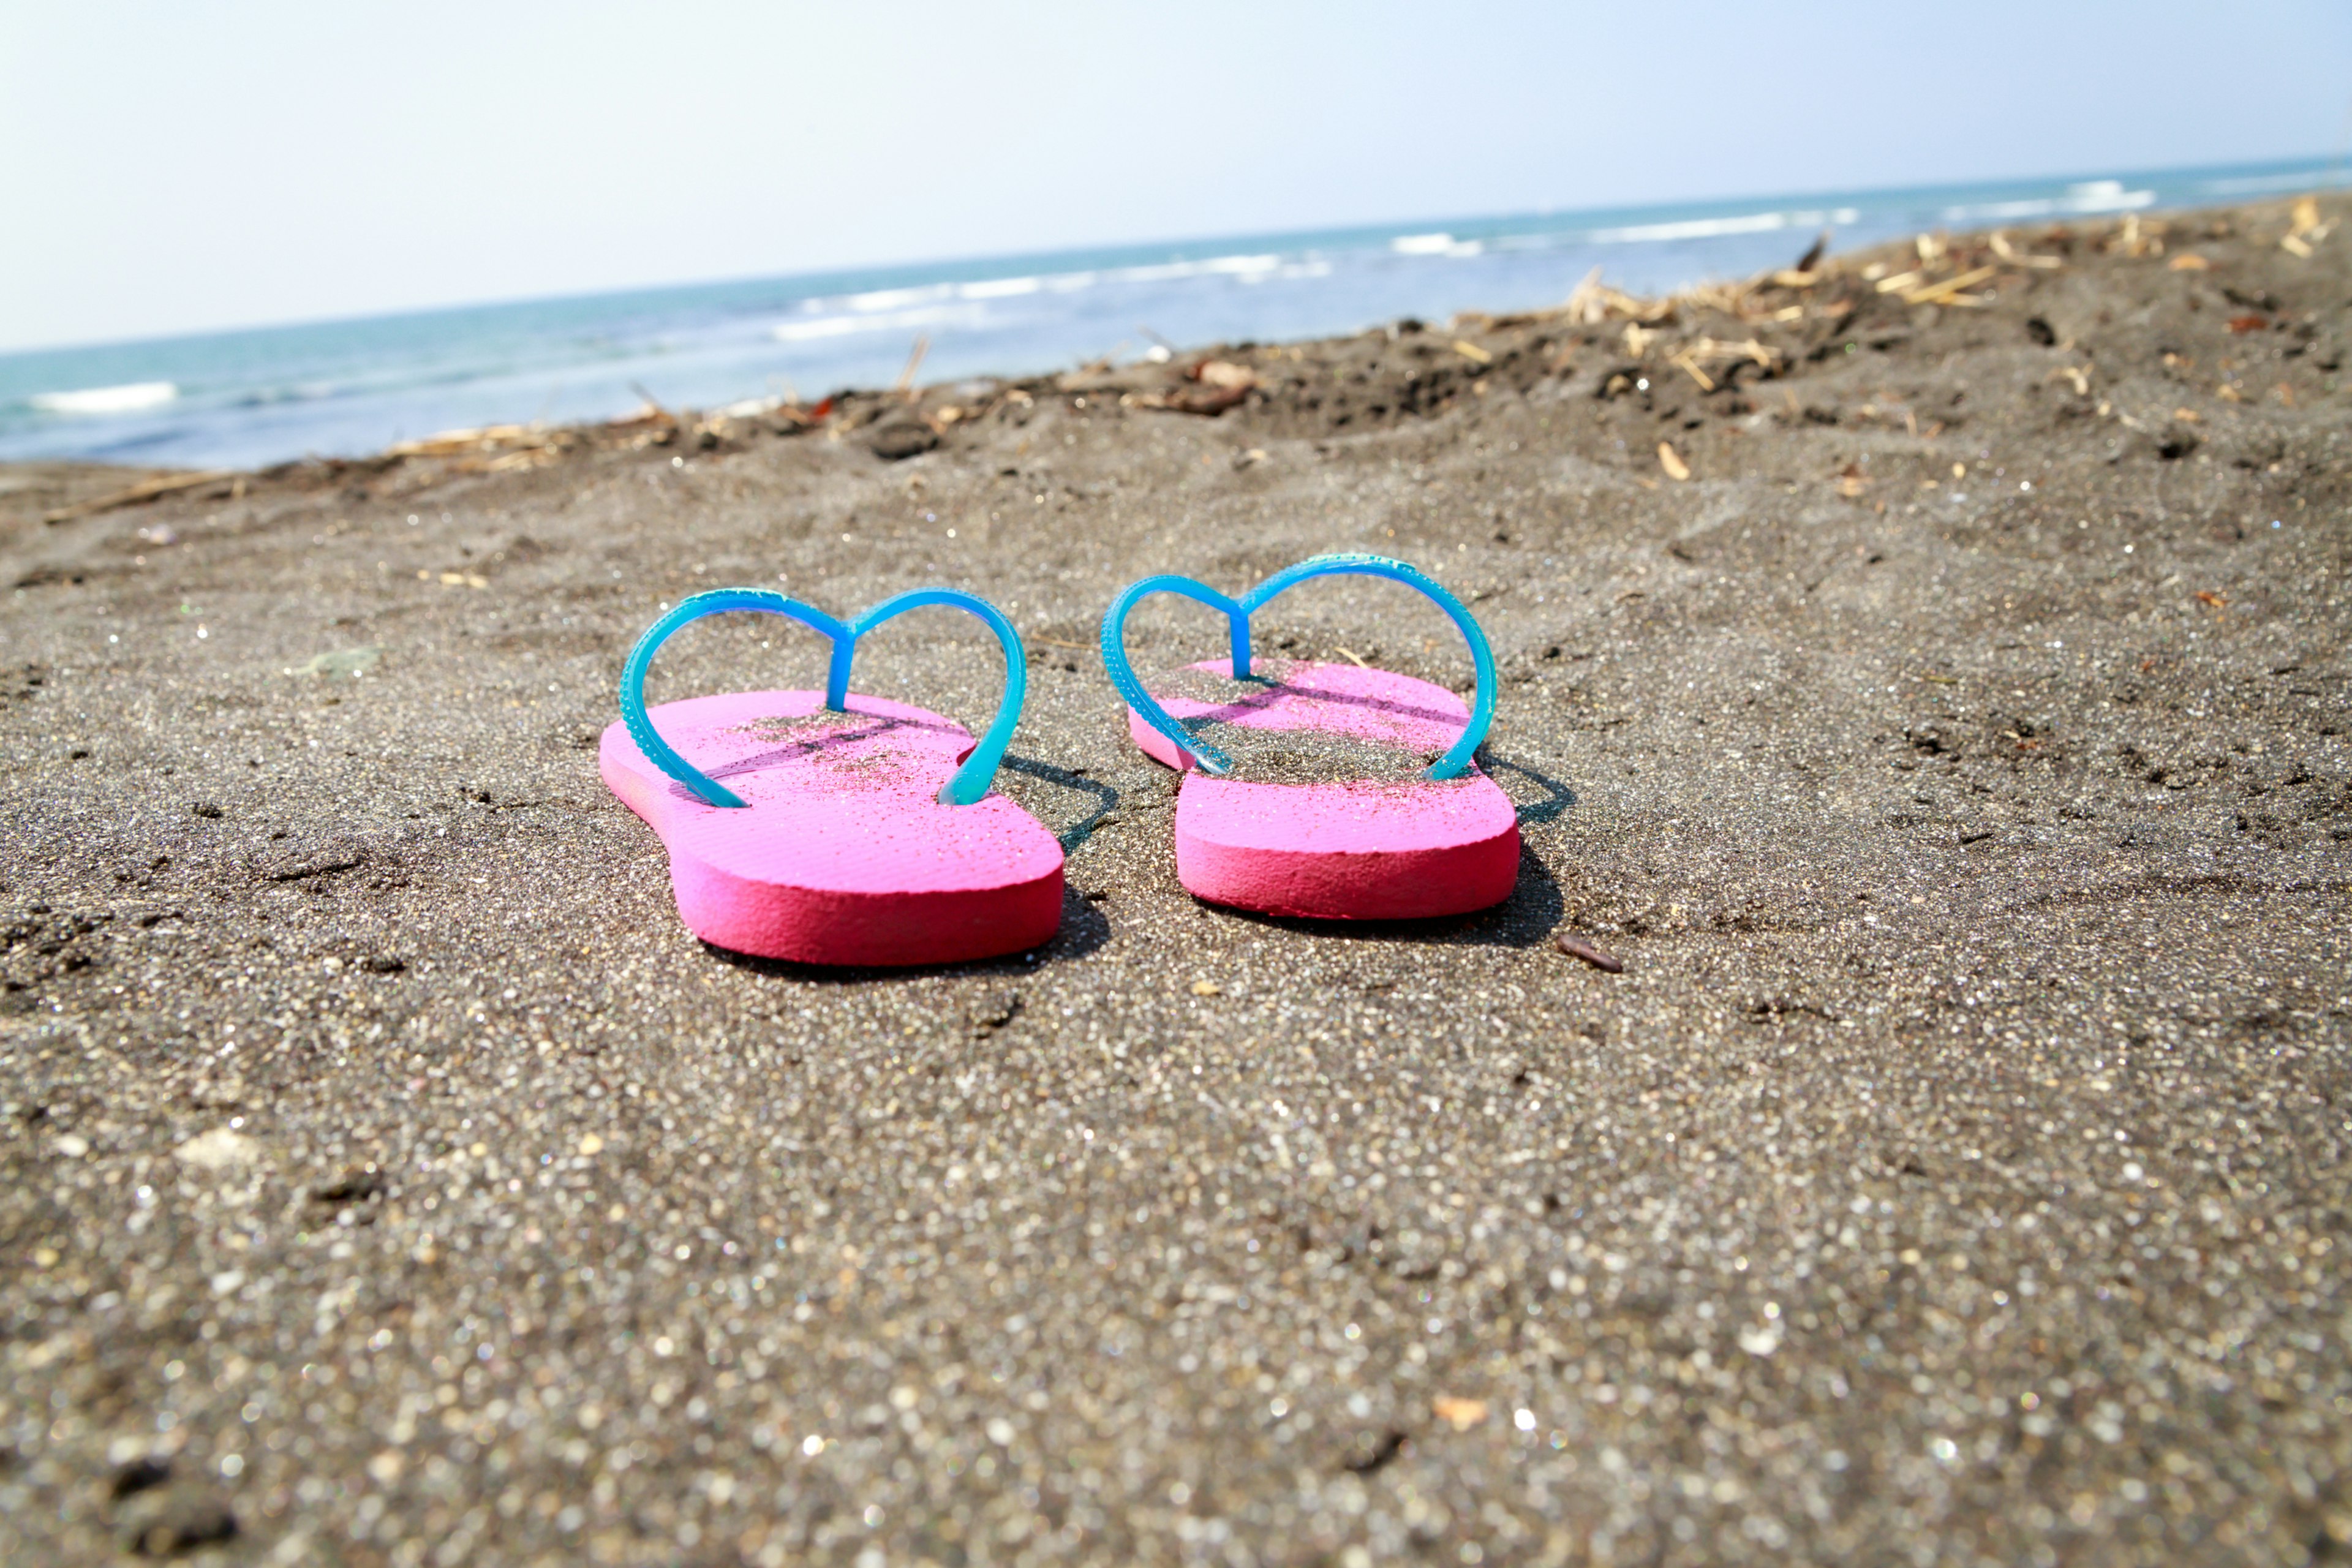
{"x": 1672, "y": 461}
{"x": 1592, "y": 302}
{"x": 146, "y": 489}
{"x": 2189, "y": 261}
{"x": 1576, "y": 946}
{"x": 1916, "y": 290}
{"x": 1692, "y": 358}
{"x": 902, "y": 436}
{"x": 1205, "y": 988}
{"x": 1472, "y": 352}
{"x": 994, "y": 1012}
{"x": 173, "y": 1521}
{"x": 502, "y": 448}
{"x": 351, "y": 661}
{"x": 1584, "y": 306}
{"x": 453, "y": 443}
{"x": 1216, "y": 385}
{"x": 352, "y": 1184}
{"x": 750, "y": 407}
{"x": 1997, "y": 243}
{"x": 1373, "y": 1451}
{"x": 217, "y": 1150}
{"x": 2308, "y": 232}
{"x": 139, "y": 1475}
{"x": 1813, "y": 253}
{"x": 905, "y": 385}
{"x": 1459, "y": 1414}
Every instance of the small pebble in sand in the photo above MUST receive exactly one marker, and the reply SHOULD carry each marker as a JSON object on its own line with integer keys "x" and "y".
{"x": 1460, "y": 1414}
{"x": 1577, "y": 947}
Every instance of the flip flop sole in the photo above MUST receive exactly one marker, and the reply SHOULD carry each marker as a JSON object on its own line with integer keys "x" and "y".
{"x": 842, "y": 854}
{"x": 1340, "y": 851}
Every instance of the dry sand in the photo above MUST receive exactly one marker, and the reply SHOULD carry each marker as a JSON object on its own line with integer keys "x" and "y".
{"x": 1956, "y": 1173}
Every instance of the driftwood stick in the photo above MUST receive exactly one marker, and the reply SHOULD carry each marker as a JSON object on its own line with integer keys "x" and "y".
{"x": 146, "y": 489}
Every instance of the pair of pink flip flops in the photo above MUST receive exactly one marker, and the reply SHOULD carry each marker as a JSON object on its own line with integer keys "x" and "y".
{"x": 832, "y": 828}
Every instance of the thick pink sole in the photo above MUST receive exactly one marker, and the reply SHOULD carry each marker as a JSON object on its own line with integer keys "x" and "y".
{"x": 842, "y": 855}
{"x": 1341, "y": 851}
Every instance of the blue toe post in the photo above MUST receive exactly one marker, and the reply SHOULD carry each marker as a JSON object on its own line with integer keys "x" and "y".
{"x": 971, "y": 781}
{"x": 1237, "y": 612}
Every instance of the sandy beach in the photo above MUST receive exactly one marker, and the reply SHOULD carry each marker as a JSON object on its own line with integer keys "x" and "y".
{"x": 1925, "y": 672}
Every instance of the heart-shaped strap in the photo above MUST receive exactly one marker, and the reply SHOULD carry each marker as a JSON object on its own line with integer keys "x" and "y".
{"x": 971, "y": 781}
{"x": 1237, "y": 612}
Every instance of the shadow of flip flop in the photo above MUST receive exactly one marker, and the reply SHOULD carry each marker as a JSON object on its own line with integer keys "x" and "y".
{"x": 1558, "y": 797}
{"x": 1106, "y": 798}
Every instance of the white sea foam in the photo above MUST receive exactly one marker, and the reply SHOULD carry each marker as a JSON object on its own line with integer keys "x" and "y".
{"x": 893, "y": 303}
{"x": 2091, "y": 196}
{"x": 1436, "y": 245}
{"x": 923, "y": 316}
{"x": 1713, "y": 227}
{"x": 1000, "y": 288}
{"x": 959, "y": 304}
{"x": 128, "y": 398}
{"x": 1244, "y": 266}
{"x": 891, "y": 298}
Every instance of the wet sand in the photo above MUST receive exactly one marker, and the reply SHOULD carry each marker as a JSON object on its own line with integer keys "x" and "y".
{"x": 1957, "y": 759}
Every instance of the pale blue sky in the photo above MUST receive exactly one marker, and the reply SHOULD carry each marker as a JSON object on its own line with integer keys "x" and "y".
{"x": 176, "y": 166}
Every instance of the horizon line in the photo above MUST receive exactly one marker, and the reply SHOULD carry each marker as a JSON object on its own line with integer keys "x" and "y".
{"x": 2332, "y": 163}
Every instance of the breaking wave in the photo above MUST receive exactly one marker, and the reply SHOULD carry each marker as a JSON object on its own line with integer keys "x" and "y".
{"x": 129, "y": 399}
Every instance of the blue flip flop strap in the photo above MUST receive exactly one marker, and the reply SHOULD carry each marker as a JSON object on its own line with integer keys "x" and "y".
{"x": 971, "y": 781}
{"x": 1237, "y": 612}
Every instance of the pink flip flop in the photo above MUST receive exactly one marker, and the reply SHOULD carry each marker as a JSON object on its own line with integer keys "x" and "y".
{"x": 845, "y": 831}
{"x": 1396, "y": 840}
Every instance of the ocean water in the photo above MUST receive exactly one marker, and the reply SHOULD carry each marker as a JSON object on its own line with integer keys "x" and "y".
{"x": 350, "y": 387}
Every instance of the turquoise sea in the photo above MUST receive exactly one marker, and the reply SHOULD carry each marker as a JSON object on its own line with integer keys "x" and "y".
{"x": 259, "y": 396}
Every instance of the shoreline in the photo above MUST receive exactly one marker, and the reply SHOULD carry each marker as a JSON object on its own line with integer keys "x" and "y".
{"x": 1825, "y": 303}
